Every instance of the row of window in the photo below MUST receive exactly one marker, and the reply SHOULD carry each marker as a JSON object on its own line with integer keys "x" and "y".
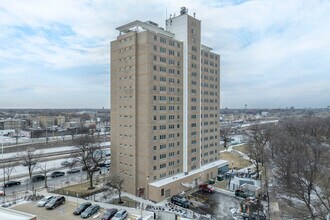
{"x": 163, "y": 146}
{"x": 166, "y": 89}
{"x": 164, "y": 70}
{"x": 164, "y": 41}
{"x": 163, "y": 127}
{"x": 163, "y": 108}
{"x": 163, "y": 156}
{"x": 163, "y": 117}
{"x": 163, "y": 136}
{"x": 168, "y": 98}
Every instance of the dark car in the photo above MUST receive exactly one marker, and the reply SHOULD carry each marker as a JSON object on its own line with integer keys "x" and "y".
{"x": 109, "y": 213}
{"x": 180, "y": 201}
{"x": 81, "y": 208}
{"x": 12, "y": 183}
{"x": 37, "y": 178}
{"x": 27, "y": 163}
{"x": 57, "y": 174}
{"x": 55, "y": 202}
{"x": 95, "y": 169}
{"x": 91, "y": 210}
{"x": 73, "y": 171}
{"x": 240, "y": 193}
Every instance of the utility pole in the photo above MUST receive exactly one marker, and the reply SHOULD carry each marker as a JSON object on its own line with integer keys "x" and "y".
{"x": 4, "y": 173}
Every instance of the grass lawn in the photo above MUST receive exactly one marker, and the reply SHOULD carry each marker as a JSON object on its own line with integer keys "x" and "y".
{"x": 242, "y": 148}
{"x": 235, "y": 160}
{"x": 127, "y": 202}
{"x": 80, "y": 189}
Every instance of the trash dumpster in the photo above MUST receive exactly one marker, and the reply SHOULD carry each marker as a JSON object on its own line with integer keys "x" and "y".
{"x": 220, "y": 177}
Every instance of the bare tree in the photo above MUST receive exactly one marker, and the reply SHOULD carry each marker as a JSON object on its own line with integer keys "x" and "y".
{"x": 225, "y": 135}
{"x": 9, "y": 168}
{"x": 72, "y": 132}
{"x": 258, "y": 139}
{"x": 44, "y": 171}
{"x": 89, "y": 154}
{"x": 30, "y": 159}
{"x": 115, "y": 182}
{"x": 301, "y": 165}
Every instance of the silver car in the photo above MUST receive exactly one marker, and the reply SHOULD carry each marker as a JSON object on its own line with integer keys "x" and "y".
{"x": 44, "y": 201}
{"x": 120, "y": 215}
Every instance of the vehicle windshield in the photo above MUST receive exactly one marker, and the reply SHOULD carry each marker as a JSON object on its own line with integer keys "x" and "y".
{"x": 118, "y": 214}
{"x": 52, "y": 201}
{"x": 44, "y": 199}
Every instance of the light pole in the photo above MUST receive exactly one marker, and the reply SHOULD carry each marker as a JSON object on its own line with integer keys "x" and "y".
{"x": 4, "y": 173}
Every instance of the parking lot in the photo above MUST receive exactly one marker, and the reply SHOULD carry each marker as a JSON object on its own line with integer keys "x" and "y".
{"x": 63, "y": 212}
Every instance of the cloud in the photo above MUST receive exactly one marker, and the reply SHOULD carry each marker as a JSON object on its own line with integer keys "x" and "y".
{"x": 56, "y": 53}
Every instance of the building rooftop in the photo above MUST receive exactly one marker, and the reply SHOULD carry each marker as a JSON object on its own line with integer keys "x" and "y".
{"x": 142, "y": 26}
{"x": 218, "y": 163}
{"x": 9, "y": 214}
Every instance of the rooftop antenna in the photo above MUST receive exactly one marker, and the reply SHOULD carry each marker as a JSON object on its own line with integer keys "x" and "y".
{"x": 194, "y": 14}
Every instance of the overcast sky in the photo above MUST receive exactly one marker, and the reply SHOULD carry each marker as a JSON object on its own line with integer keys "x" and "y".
{"x": 274, "y": 53}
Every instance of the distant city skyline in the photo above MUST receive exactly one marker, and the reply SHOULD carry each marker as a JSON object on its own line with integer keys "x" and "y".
{"x": 56, "y": 54}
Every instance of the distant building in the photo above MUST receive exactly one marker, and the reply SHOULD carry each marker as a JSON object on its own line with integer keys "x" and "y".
{"x": 60, "y": 120}
{"x": 165, "y": 99}
{"x": 15, "y": 124}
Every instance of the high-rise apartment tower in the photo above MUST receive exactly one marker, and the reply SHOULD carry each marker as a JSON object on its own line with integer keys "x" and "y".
{"x": 165, "y": 99}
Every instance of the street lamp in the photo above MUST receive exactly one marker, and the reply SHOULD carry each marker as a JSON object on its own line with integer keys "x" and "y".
{"x": 4, "y": 176}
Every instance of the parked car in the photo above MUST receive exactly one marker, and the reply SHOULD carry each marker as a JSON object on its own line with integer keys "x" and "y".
{"x": 27, "y": 163}
{"x": 107, "y": 163}
{"x": 44, "y": 201}
{"x": 95, "y": 169}
{"x": 37, "y": 178}
{"x": 57, "y": 174}
{"x": 240, "y": 193}
{"x": 52, "y": 204}
{"x": 69, "y": 162}
{"x": 81, "y": 208}
{"x": 71, "y": 171}
{"x": 91, "y": 210}
{"x": 2, "y": 193}
{"x": 120, "y": 215}
{"x": 109, "y": 213}
{"x": 12, "y": 183}
{"x": 206, "y": 188}
{"x": 180, "y": 201}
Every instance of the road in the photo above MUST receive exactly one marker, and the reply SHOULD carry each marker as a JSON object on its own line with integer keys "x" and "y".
{"x": 57, "y": 182}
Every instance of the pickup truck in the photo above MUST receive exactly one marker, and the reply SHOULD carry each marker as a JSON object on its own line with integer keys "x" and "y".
{"x": 206, "y": 188}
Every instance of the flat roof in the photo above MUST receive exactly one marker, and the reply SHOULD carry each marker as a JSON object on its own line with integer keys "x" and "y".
{"x": 147, "y": 26}
{"x": 160, "y": 183}
{"x": 10, "y": 214}
{"x": 204, "y": 47}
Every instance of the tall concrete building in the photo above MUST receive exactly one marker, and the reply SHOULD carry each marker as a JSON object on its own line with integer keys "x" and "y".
{"x": 165, "y": 98}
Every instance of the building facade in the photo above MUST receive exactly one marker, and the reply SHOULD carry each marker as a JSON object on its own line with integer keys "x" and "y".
{"x": 164, "y": 107}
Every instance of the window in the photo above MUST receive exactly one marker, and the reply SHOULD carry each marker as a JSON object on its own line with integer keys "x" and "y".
{"x": 163, "y": 40}
{"x": 162, "y": 59}
{"x": 162, "y": 166}
{"x": 155, "y": 37}
{"x": 162, "y": 50}
{"x": 162, "y": 146}
{"x": 162, "y": 156}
